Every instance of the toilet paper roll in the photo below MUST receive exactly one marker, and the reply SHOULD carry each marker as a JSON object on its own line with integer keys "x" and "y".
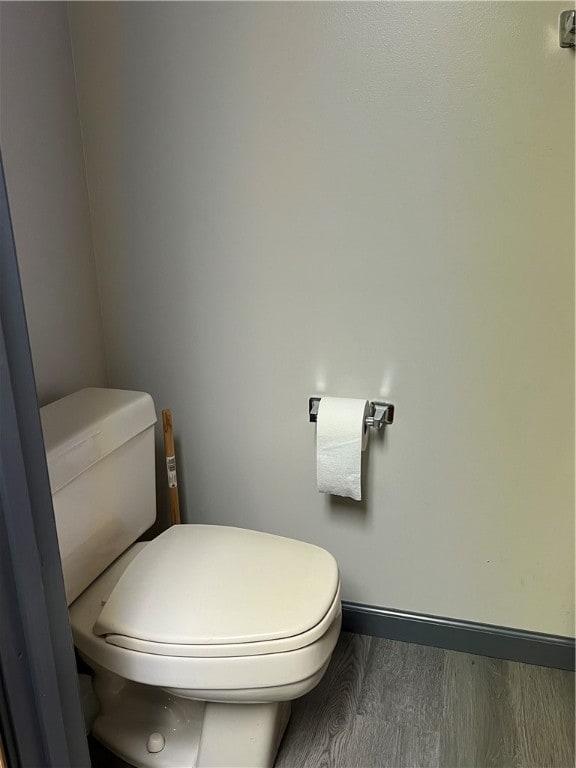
{"x": 341, "y": 436}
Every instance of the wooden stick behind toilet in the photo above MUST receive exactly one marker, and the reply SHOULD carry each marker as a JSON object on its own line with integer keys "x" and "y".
{"x": 171, "y": 467}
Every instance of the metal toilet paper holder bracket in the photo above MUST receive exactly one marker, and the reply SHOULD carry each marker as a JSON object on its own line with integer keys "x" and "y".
{"x": 380, "y": 415}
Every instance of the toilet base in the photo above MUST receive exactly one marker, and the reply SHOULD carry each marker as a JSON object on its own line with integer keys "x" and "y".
{"x": 196, "y": 734}
{"x": 242, "y": 735}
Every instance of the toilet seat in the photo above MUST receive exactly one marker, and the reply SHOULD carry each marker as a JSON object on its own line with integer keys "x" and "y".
{"x": 215, "y": 587}
{"x": 231, "y": 649}
{"x": 269, "y": 669}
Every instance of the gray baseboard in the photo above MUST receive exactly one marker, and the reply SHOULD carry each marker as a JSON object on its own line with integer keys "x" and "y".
{"x": 456, "y": 635}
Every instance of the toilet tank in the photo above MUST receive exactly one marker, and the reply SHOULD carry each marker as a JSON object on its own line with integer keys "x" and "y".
{"x": 100, "y": 451}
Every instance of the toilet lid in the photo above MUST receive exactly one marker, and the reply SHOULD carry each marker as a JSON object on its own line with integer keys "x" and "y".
{"x": 215, "y": 585}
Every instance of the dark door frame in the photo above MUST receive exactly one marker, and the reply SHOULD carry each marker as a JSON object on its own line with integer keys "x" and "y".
{"x": 40, "y": 712}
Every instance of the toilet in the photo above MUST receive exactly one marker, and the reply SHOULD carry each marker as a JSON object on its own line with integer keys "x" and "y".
{"x": 199, "y": 639}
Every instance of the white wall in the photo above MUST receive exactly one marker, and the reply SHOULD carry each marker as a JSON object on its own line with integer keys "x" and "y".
{"x": 365, "y": 200}
{"x": 45, "y": 175}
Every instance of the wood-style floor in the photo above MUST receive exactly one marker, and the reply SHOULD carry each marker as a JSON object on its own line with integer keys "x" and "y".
{"x": 386, "y": 704}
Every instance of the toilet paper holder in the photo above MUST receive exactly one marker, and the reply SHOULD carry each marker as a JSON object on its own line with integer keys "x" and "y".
{"x": 380, "y": 413}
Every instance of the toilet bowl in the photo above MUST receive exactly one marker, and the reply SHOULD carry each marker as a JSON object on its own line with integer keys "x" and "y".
{"x": 131, "y": 625}
{"x": 198, "y": 639}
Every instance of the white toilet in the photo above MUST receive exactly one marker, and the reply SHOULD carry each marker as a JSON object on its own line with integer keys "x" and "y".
{"x": 198, "y": 639}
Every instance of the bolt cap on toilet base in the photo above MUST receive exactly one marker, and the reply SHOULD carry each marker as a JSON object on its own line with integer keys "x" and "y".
{"x": 156, "y": 742}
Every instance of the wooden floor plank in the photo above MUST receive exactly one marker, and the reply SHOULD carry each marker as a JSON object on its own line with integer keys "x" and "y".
{"x": 543, "y": 707}
{"x": 318, "y": 729}
{"x": 417, "y": 748}
{"x": 403, "y": 684}
{"x": 380, "y": 744}
{"x": 478, "y": 729}
{"x": 367, "y": 745}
